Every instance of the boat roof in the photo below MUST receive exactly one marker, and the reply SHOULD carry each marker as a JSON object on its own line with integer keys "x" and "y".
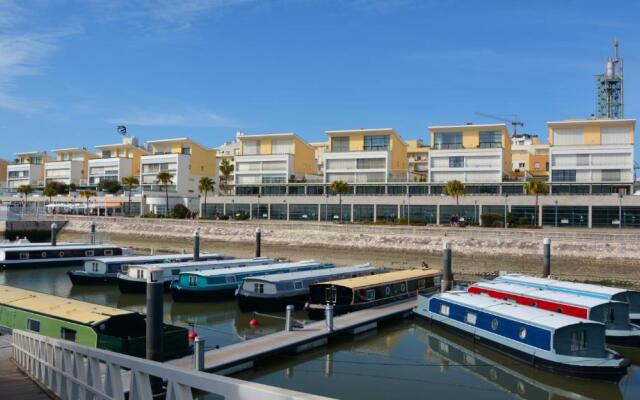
{"x": 158, "y": 257}
{"x": 59, "y": 307}
{"x": 388, "y": 277}
{"x": 544, "y": 294}
{"x": 65, "y": 247}
{"x": 230, "y": 271}
{"x": 318, "y": 273}
{"x": 585, "y": 287}
{"x": 506, "y": 309}
{"x": 204, "y": 263}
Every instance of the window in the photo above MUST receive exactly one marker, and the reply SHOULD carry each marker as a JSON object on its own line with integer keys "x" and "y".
{"x": 449, "y": 140}
{"x": 618, "y": 135}
{"x": 108, "y": 252}
{"x": 490, "y": 139}
{"x": 140, "y": 274}
{"x": 611, "y": 315}
{"x": 297, "y": 285}
{"x": 564, "y": 137}
{"x": 331, "y": 294}
{"x": 582, "y": 160}
{"x": 521, "y": 165}
{"x": 522, "y": 333}
{"x": 403, "y": 287}
{"x": 559, "y": 310}
{"x": 231, "y": 279}
{"x": 371, "y": 163}
{"x": 564, "y": 175}
{"x": 24, "y": 256}
{"x": 444, "y": 309}
{"x": 376, "y": 143}
{"x": 281, "y": 147}
{"x": 106, "y": 153}
{"x": 68, "y": 334}
{"x": 175, "y": 271}
{"x": 536, "y": 166}
{"x": 251, "y": 147}
{"x": 33, "y": 325}
{"x": 612, "y": 175}
{"x": 43, "y": 254}
{"x": 456, "y": 162}
{"x": 470, "y": 318}
{"x": 340, "y": 144}
{"x": 422, "y": 283}
{"x": 186, "y": 149}
{"x": 88, "y": 253}
{"x": 578, "y": 340}
{"x": 371, "y": 294}
{"x": 193, "y": 280}
{"x": 258, "y": 288}
{"x": 494, "y": 324}
{"x": 61, "y": 254}
{"x": 94, "y": 266}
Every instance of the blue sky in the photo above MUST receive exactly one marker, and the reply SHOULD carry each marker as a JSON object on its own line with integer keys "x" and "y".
{"x": 71, "y": 70}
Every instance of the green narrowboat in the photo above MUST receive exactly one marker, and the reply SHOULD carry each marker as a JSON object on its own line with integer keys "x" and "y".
{"x": 84, "y": 323}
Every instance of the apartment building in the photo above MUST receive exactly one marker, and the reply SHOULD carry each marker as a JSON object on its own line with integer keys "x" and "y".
{"x": 3, "y": 172}
{"x": 531, "y": 160}
{"x": 470, "y": 153}
{"x": 273, "y": 158}
{"x": 591, "y": 154}
{"x": 320, "y": 148}
{"x": 27, "y": 169}
{"x": 524, "y": 139}
{"x": 116, "y": 161}
{"x": 365, "y": 156}
{"x": 71, "y": 166}
{"x": 417, "y": 160}
{"x": 228, "y": 151}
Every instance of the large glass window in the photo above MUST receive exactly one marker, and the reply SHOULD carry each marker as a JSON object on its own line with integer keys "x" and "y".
{"x": 340, "y": 144}
{"x": 251, "y": 147}
{"x": 456, "y": 162}
{"x": 281, "y": 146}
{"x": 371, "y": 163}
{"x": 448, "y": 140}
{"x": 612, "y": 175}
{"x": 376, "y": 143}
{"x": 490, "y": 139}
{"x": 564, "y": 175}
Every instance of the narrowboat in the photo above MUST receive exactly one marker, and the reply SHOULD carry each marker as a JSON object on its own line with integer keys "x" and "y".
{"x": 586, "y": 289}
{"x": 84, "y": 323}
{"x": 221, "y": 284}
{"x": 20, "y": 243}
{"x": 30, "y": 256}
{"x": 614, "y": 314}
{"x": 347, "y": 295}
{"x": 102, "y": 270}
{"x": 133, "y": 278}
{"x": 560, "y": 343}
{"x": 275, "y": 292}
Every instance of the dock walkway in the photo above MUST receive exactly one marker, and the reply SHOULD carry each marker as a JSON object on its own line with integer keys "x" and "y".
{"x": 16, "y": 385}
{"x": 240, "y": 356}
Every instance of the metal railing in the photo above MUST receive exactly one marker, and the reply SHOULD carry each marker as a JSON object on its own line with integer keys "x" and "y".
{"x": 72, "y": 371}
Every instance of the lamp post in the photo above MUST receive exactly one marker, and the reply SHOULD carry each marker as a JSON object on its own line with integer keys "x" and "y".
{"x": 556, "y": 203}
{"x": 506, "y": 196}
{"x": 258, "y": 210}
{"x": 476, "y": 217}
{"x": 326, "y": 205}
{"x": 620, "y": 210}
{"x": 408, "y": 208}
{"x": 233, "y": 207}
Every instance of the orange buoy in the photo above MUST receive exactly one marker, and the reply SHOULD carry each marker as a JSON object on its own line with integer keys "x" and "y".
{"x": 253, "y": 323}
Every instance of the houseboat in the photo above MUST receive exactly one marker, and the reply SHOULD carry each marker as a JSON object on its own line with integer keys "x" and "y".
{"x": 30, "y": 256}
{"x": 83, "y": 323}
{"x": 347, "y": 295}
{"x": 102, "y": 270}
{"x": 556, "y": 342}
{"x": 614, "y": 314}
{"x": 275, "y": 292}
{"x": 133, "y": 278}
{"x": 221, "y": 284}
{"x": 586, "y": 289}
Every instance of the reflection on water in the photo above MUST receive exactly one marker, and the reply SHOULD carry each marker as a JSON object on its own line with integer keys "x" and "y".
{"x": 405, "y": 358}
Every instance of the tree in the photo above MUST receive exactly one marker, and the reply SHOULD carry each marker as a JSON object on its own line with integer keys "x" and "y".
{"x": 50, "y": 191}
{"x": 536, "y": 188}
{"x": 165, "y": 179}
{"x": 455, "y": 189}
{"x": 87, "y": 194}
{"x": 205, "y": 186}
{"x": 109, "y": 186}
{"x": 226, "y": 169}
{"x": 72, "y": 187}
{"x": 339, "y": 187}
{"x": 129, "y": 182}
{"x": 179, "y": 211}
{"x": 25, "y": 190}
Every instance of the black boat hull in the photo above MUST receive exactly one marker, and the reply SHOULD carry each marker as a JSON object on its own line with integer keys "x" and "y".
{"x": 140, "y": 287}
{"x": 198, "y": 296}
{"x": 271, "y": 304}
{"x": 82, "y": 278}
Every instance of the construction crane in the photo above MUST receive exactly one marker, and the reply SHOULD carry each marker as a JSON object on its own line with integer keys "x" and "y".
{"x": 514, "y": 120}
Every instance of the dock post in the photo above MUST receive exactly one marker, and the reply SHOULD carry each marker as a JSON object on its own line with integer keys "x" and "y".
{"x": 546, "y": 268}
{"x": 196, "y": 245}
{"x": 198, "y": 351}
{"x": 93, "y": 232}
{"x": 329, "y": 317}
{"x": 288, "y": 325}
{"x": 54, "y": 234}
{"x": 153, "y": 345}
{"x": 258, "y": 240}
{"x": 447, "y": 273}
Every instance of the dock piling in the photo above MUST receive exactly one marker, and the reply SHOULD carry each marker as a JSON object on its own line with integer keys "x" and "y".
{"x": 546, "y": 268}
{"x": 153, "y": 344}
{"x": 447, "y": 272}
{"x": 93, "y": 232}
{"x": 329, "y": 317}
{"x": 288, "y": 325}
{"x": 258, "y": 240}
{"x": 196, "y": 245}
{"x": 198, "y": 352}
{"x": 54, "y": 234}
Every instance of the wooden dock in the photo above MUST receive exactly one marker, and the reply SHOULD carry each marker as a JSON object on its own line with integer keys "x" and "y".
{"x": 15, "y": 384}
{"x": 240, "y": 356}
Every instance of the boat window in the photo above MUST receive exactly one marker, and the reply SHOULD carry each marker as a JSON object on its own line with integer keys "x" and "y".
{"x": 387, "y": 290}
{"x": 444, "y": 309}
{"x": 43, "y": 254}
{"x": 371, "y": 294}
{"x": 175, "y": 271}
{"x": 33, "y": 325}
{"x": 89, "y": 253}
{"x": 231, "y": 279}
{"x": 297, "y": 285}
{"x": 403, "y": 287}
{"x": 24, "y": 256}
{"x": 193, "y": 280}
{"x": 140, "y": 274}
{"x": 422, "y": 283}
{"x": 494, "y": 324}
{"x": 611, "y": 316}
{"x": 108, "y": 252}
{"x": 68, "y": 334}
{"x": 578, "y": 340}
{"x": 470, "y": 318}
{"x": 522, "y": 333}
{"x": 61, "y": 254}
{"x": 258, "y": 287}
{"x": 94, "y": 266}
{"x": 534, "y": 304}
{"x": 559, "y": 310}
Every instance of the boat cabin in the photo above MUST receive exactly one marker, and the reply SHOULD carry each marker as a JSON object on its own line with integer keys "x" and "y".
{"x": 60, "y": 255}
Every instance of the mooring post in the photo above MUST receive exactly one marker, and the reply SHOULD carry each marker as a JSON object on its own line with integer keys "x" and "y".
{"x": 288, "y": 325}
{"x": 329, "y": 317}
{"x": 258, "y": 240}
{"x": 93, "y": 232}
{"x": 546, "y": 267}
{"x": 54, "y": 234}
{"x": 155, "y": 291}
{"x": 196, "y": 245}
{"x": 447, "y": 273}
{"x": 198, "y": 351}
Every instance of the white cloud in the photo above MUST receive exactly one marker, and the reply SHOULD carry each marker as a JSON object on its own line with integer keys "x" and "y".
{"x": 188, "y": 118}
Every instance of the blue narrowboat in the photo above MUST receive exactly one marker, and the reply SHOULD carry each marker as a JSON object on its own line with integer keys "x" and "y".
{"x": 548, "y": 340}
{"x": 585, "y": 289}
{"x": 220, "y": 284}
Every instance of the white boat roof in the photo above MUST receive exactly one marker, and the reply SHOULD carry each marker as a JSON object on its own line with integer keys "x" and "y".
{"x": 210, "y": 263}
{"x": 156, "y": 257}
{"x": 230, "y": 271}
{"x": 585, "y": 287}
{"x": 13, "y": 245}
{"x": 69, "y": 247}
{"x": 327, "y": 273}
{"x": 544, "y": 294}
{"x": 526, "y": 314}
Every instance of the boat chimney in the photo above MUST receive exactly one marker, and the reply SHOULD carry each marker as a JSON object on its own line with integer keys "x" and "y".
{"x": 54, "y": 234}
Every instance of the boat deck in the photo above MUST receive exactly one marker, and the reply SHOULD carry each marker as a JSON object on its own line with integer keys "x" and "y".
{"x": 240, "y": 356}
{"x": 15, "y": 385}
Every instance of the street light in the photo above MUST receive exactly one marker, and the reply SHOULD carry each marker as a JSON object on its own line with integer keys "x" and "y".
{"x": 556, "y": 201}
{"x": 475, "y": 211}
{"x": 408, "y": 208}
{"x": 506, "y": 196}
{"x": 620, "y": 210}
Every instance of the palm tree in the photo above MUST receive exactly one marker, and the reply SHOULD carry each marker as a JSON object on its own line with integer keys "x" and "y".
{"x": 129, "y": 182}
{"x": 87, "y": 194}
{"x": 537, "y": 188}
{"x": 205, "y": 186}
{"x": 25, "y": 190}
{"x": 455, "y": 188}
{"x": 226, "y": 169}
{"x": 49, "y": 191}
{"x": 165, "y": 179}
{"x": 339, "y": 187}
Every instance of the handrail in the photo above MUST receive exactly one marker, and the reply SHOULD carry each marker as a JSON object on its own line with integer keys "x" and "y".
{"x": 73, "y": 371}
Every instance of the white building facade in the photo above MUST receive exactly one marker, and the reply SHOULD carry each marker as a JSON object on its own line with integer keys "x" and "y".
{"x": 28, "y": 170}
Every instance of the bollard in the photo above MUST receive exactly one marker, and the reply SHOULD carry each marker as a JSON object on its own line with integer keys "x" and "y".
{"x": 151, "y": 251}
{"x": 93, "y": 232}
{"x": 288, "y": 325}
{"x": 546, "y": 267}
{"x": 198, "y": 352}
{"x": 153, "y": 344}
{"x": 329, "y": 317}
{"x": 54, "y": 234}
{"x": 258, "y": 239}
{"x": 447, "y": 272}
{"x": 196, "y": 245}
